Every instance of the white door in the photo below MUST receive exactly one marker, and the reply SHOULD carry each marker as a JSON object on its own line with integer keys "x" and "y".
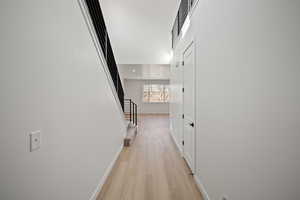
{"x": 189, "y": 106}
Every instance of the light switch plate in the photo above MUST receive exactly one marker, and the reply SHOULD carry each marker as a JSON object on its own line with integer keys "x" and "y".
{"x": 35, "y": 140}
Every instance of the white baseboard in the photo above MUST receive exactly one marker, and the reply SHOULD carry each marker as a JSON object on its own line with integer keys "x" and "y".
{"x": 201, "y": 188}
{"x": 106, "y": 174}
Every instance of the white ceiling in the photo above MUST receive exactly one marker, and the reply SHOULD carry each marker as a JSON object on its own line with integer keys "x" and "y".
{"x": 140, "y": 30}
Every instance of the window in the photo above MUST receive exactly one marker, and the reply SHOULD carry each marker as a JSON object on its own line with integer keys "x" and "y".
{"x": 156, "y": 93}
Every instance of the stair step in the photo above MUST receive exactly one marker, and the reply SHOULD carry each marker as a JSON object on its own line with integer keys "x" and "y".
{"x": 131, "y": 134}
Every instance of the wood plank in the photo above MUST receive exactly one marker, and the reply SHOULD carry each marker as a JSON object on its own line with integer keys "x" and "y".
{"x": 152, "y": 168}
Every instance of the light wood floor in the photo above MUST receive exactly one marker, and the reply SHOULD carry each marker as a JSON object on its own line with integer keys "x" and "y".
{"x": 152, "y": 168}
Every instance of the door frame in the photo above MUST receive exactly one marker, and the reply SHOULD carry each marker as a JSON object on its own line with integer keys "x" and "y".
{"x": 192, "y": 45}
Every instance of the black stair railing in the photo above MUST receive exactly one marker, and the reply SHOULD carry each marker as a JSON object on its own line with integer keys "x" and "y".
{"x": 131, "y": 111}
{"x": 104, "y": 41}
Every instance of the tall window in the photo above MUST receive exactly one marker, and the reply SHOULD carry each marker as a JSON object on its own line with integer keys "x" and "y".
{"x": 156, "y": 93}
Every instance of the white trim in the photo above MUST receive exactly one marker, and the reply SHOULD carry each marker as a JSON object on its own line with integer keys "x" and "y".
{"x": 201, "y": 188}
{"x": 105, "y": 176}
{"x": 93, "y": 34}
{"x": 190, "y": 45}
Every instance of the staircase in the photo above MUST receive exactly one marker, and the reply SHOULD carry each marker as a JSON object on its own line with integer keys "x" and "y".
{"x": 130, "y": 112}
{"x": 128, "y": 106}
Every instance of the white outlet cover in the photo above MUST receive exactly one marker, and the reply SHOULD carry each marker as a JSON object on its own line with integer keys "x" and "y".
{"x": 35, "y": 140}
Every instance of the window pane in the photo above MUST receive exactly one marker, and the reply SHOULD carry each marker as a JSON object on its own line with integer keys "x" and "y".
{"x": 167, "y": 94}
{"x": 146, "y": 93}
{"x": 155, "y": 93}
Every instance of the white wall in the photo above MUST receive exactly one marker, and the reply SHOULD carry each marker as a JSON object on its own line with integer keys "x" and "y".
{"x": 248, "y": 111}
{"x": 52, "y": 80}
{"x": 134, "y": 77}
{"x": 134, "y": 91}
{"x": 144, "y": 71}
{"x": 140, "y": 29}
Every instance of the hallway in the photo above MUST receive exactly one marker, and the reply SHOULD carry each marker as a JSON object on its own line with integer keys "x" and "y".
{"x": 152, "y": 168}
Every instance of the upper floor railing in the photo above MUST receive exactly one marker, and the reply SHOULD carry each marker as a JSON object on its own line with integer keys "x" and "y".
{"x": 183, "y": 11}
{"x": 104, "y": 41}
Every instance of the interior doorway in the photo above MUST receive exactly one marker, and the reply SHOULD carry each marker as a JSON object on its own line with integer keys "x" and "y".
{"x": 189, "y": 146}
